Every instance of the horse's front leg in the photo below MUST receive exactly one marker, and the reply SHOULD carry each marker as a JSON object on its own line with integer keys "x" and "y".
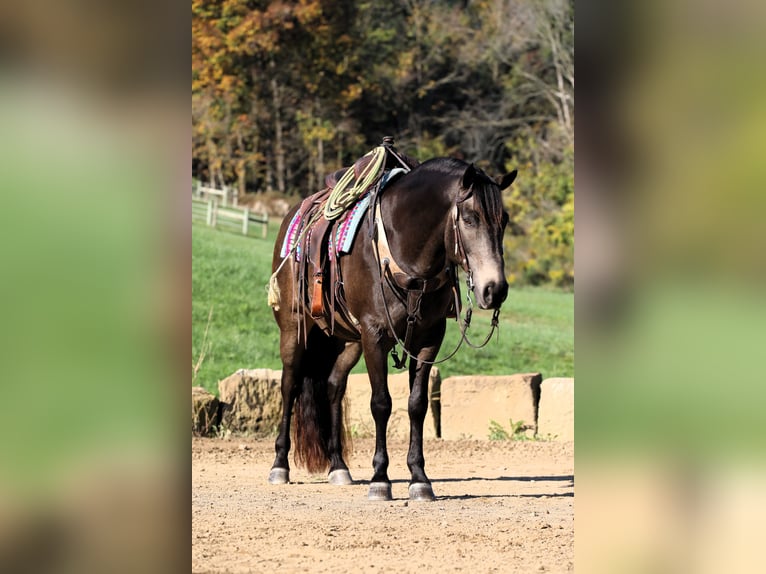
{"x": 375, "y": 357}
{"x": 420, "y": 486}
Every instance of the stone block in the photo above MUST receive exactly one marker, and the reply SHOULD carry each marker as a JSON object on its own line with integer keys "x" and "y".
{"x": 360, "y": 421}
{"x": 251, "y": 401}
{"x": 205, "y": 412}
{"x": 556, "y": 414}
{"x": 470, "y": 403}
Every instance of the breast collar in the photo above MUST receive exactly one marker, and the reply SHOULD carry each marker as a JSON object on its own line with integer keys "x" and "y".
{"x": 400, "y": 278}
{"x": 409, "y": 289}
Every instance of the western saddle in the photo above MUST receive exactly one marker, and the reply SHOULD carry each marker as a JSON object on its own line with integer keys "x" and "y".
{"x": 316, "y": 242}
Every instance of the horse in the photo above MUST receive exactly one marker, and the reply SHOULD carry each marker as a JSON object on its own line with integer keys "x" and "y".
{"x": 396, "y": 288}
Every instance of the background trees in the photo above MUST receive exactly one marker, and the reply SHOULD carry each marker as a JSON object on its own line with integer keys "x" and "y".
{"x": 286, "y": 91}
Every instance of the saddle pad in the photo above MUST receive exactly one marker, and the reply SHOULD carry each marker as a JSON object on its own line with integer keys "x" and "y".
{"x": 293, "y": 230}
{"x": 348, "y": 227}
{"x": 350, "y": 224}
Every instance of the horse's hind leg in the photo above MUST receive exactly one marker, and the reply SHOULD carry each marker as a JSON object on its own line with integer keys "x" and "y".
{"x": 291, "y": 351}
{"x": 336, "y": 389}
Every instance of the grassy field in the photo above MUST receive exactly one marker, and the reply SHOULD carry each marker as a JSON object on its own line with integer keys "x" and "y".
{"x": 229, "y": 275}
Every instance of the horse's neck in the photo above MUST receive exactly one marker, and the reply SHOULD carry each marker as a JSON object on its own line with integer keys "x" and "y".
{"x": 415, "y": 222}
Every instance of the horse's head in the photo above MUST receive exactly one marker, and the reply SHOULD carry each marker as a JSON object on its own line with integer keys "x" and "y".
{"x": 479, "y": 221}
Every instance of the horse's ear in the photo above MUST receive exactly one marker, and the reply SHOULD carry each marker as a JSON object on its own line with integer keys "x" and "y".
{"x": 507, "y": 179}
{"x": 468, "y": 178}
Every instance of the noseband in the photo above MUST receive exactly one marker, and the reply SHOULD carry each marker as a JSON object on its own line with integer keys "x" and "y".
{"x": 465, "y": 264}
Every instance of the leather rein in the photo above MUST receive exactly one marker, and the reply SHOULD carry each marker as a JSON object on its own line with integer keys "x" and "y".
{"x": 410, "y": 290}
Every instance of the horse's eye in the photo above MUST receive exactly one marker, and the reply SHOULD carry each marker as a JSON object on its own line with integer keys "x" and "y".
{"x": 470, "y": 219}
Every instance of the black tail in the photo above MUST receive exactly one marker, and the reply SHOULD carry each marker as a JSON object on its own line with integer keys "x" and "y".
{"x": 313, "y": 424}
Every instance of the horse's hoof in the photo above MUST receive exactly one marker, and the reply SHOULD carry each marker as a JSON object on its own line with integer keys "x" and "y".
{"x": 340, "y": 477}
{"x": 421, "y": 491}
{"x": 379, "y": 491}
{"x": 279, "y": 476}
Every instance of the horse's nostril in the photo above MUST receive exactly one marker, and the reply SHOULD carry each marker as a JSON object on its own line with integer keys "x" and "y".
{"x": 493, "y": 294}
{"x": 504, "y": 291}
{"x": 489, "y": 290}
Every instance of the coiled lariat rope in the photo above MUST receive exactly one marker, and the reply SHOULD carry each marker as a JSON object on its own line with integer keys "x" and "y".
{"x": 341, "y": 199}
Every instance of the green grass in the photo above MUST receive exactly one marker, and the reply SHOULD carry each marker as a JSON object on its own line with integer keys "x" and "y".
{"x": 517, "y": 431}
{"x": 229, "y": 275}
{"x": 536, "y": 334}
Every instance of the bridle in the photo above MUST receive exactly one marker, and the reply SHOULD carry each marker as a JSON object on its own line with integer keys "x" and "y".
{"x": 411, "y": 297}
{"x": 464, "y": 263}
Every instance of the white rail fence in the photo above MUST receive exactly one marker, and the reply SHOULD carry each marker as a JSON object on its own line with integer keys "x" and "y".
{"x": 229, "y": 218}
{"x": 225, "y": 196}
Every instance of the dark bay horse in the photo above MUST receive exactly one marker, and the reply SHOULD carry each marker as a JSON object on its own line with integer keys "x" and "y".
{"x": 443, "y": 214}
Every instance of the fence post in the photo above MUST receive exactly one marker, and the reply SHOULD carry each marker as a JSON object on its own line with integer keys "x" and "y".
{"x": 209, "y": 216}
{"x": 265, "y": 224}
{"x": 245, "y": 220}
{"x": 214, "y": 218}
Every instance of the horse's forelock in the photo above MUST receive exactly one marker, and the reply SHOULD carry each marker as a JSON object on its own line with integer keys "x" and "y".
{"x": 487, "y": 192}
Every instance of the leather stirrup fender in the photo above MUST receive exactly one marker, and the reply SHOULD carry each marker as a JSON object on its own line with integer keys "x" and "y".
{"x": 316, "y": 295}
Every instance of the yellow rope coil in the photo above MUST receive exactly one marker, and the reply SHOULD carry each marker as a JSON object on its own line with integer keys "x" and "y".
{"x": 340, "y": 198}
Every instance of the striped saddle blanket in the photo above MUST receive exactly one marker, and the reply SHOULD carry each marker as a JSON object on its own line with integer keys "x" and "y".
{"x": 341, "y": 241}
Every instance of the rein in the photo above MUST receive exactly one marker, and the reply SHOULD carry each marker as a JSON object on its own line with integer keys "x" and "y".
{"x": 387, "y": 267}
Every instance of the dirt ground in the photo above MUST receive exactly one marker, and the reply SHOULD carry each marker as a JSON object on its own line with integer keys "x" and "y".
{"x": 500, "y": 506}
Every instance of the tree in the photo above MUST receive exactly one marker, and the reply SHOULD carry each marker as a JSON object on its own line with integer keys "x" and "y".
{"x": 285, "y": 91}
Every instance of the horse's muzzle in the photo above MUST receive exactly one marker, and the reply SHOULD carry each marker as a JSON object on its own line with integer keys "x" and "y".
{"x": 493, "y": 294}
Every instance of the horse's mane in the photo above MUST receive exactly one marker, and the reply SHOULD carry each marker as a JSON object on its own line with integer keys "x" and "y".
{"x": 485, "y": 189}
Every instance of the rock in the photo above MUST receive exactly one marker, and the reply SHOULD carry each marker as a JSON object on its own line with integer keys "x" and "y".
{"x": 258, "y": 206}
{"x": 251, "y": 401}
{"x": 205, "y": 411}
{"x": 556, "y": 413}
{"x": 279, "y": 207}
{"x": 360, "y": 421}
{"x": 470, "y": 403}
